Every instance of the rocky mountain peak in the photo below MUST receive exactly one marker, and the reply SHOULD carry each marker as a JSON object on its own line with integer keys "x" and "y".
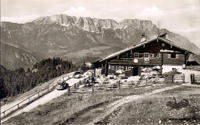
{"x": 58, "y": 19}
{"x": 85, "y": 23}
{"x": 139, "y": 24}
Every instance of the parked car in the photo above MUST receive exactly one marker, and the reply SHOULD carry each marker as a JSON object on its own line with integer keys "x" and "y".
{"x": 61, "y": 85}
{"x": 77, "y": 75}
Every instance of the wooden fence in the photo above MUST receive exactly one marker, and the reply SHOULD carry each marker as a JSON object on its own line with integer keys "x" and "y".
{"x": 32, "y": 97}
{"x": 26, "y": 101}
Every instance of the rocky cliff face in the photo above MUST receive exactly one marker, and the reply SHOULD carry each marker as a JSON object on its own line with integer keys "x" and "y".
{"x": 76, "y": 38}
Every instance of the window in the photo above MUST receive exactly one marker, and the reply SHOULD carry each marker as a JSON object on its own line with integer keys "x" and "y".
{"x": 173, "y": 55}
{"x": 157, "y": 55}
{"x": 141, "y": 55}
{"x": 152, "y": 55}
{"x": 136, "y": 55}
{"x": 146, "y": 55}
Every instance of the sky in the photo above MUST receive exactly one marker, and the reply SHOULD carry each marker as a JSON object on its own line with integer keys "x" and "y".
{"x": 179, "y": 16}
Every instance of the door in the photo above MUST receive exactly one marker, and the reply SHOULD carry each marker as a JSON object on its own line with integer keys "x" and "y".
{"x": 135, "y": 71}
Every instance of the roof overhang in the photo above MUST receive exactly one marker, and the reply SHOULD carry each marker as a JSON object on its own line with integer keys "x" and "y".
{"x": 141, "y": 44}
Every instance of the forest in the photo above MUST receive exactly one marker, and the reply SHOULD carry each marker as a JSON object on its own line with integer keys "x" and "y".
{"x": 20, "y": 81}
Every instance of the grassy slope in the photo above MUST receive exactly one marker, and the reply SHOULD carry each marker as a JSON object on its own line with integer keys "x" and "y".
{"x": 153, "y": 110}
{"x": 76, "y": 108}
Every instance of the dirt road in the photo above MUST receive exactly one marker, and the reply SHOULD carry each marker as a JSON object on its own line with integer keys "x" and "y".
{"x": 46, "y": 98}
{"x": 34, "y": 90}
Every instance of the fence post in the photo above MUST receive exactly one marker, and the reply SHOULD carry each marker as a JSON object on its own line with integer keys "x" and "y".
{"x": 92, "y": 88}
{"x": 183, "y": 78}
{"x": 48, "y": 88}
{"x": 76, "y": 85}
{"x": 146, "y": 81}
{"x": 69, "y": 90}
{"x": 79, "y": 85}
{"x": 80, "y": 82}
{"x": 4, "y": 113}
{"x": 192, "y": 78}
{"x": 119, "y": 84}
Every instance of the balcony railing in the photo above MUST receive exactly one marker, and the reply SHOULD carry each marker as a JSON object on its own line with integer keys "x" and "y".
{"x": 137, "y": 61}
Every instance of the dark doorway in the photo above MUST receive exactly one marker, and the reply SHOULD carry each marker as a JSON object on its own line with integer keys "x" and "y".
{"x": 135, "y": 71}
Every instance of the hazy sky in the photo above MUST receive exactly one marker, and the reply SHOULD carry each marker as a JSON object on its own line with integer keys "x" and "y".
{"x": 180, "y": 16}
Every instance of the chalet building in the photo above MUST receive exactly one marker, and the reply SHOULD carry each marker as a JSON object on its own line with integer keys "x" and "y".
{"x": 158, "y": 52}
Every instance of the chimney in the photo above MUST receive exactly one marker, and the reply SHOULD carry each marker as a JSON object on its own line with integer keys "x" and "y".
{"x": 143, "y": 38}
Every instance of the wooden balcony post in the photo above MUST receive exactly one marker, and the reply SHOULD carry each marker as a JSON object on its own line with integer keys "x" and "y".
{"x": 162, "y": 58}
{"x": 185, "y": 60}
{"x": 106, "y": 66}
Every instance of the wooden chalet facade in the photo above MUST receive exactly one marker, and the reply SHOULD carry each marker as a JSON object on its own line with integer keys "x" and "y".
{"x": 156, "y": 52}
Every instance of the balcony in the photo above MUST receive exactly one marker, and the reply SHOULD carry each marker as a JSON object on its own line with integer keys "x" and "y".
{"x": 137, "y": 61}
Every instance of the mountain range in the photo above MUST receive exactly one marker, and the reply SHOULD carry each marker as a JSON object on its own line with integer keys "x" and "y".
{"x": 75, "y": 38}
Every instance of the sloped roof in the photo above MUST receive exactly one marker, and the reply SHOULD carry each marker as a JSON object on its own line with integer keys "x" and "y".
{"x": 191, "y": 58}
{"x": 141, "y": 44}
{"x": 171, "y": 43}
{"x": 125, "y": 50}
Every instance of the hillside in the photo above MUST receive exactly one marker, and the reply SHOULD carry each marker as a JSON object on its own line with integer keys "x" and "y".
{"x": 76, "y": 38}
{"x": 19, "y": 81}
{"x": 17, "y": 57}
